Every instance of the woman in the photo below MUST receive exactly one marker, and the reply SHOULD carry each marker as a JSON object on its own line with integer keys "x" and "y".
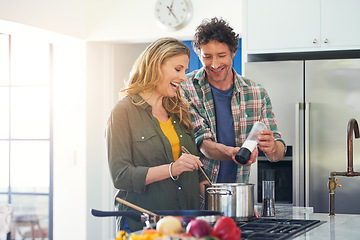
{"x": 145, "y": 131}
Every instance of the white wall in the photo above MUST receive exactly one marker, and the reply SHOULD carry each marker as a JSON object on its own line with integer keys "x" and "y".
{"x": 131, "y": 21}
{"x": 99, "y": 187}
{"x": 67, "y": 17}
{"x": 70, "y": 158}
{"x": 112, "y": 20}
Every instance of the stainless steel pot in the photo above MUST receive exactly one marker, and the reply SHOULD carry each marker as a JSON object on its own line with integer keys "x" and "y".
{"x": 236, "y": 200}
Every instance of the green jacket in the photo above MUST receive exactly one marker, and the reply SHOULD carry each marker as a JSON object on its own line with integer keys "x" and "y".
{"x": 136, "y": 142}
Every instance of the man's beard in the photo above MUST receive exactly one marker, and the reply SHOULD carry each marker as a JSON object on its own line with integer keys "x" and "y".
{"x": 227, "y": 73}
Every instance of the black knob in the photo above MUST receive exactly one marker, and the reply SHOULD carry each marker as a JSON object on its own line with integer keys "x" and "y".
{"x": 243, "y": 156}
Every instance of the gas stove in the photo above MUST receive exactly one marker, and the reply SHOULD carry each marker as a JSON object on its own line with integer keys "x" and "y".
{"x": 269, "y": 228}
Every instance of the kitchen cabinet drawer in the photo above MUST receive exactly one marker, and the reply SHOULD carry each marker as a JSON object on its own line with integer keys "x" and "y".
{"x": 300, "y": 25}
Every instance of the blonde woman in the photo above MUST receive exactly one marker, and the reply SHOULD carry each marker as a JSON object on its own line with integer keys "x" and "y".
{"x": 145, "y": 132}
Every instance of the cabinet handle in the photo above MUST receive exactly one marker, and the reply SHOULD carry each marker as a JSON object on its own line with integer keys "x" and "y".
{"x": 314, "y": 40}
{"x": 307, "y": 153}
{"x": 326, "y": 40}
{"x": 299, "y": 168}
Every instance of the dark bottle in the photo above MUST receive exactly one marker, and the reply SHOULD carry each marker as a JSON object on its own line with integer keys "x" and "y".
{"x": 250, "y": 143}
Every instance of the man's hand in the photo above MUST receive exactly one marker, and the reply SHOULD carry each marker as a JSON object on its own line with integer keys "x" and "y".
{"x": 267, "y": 141}
{"x": 217, "y": 151}
{"x": 221, "y": 152}
{"x": 252, "y": 159}
{"x": 274, "y": 150}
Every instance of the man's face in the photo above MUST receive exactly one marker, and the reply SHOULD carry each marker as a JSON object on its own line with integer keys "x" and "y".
{"x": 217, "y": 60}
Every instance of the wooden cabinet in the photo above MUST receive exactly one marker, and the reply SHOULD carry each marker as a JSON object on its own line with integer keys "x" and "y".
{"x": 300, "y": 25}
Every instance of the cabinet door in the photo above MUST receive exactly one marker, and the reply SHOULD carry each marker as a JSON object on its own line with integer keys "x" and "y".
{"x": 282, "y": 24}
{"x": 340, "y": 23}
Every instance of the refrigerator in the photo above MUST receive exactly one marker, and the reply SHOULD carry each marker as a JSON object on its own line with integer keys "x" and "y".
{"x": 313, "y": 101}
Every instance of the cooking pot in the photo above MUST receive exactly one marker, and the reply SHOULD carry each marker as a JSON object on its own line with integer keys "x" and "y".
{"x": 151, "y": 220}
{"x": 236, "y": 200}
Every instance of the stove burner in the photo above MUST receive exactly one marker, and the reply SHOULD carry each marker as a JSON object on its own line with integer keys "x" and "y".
{"x": 269, "y": 228}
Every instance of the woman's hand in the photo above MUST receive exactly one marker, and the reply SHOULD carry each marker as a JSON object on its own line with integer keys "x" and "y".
{"x": 186, "y": 163}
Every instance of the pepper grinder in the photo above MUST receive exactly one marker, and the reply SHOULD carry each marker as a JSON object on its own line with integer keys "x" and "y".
{"x": 250, "y": 143}
{"x": 268, "y": 193}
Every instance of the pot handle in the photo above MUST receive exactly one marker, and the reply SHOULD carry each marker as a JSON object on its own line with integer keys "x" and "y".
{"x": 132, "y": 215}
{"x": 219, "y": 191}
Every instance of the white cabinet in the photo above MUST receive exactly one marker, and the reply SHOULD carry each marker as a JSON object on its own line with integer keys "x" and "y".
{"x": 301, "y": 25}
{"x": 340, "y": 22}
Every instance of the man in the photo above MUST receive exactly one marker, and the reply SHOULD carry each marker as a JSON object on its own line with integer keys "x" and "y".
{"x": 224, "y": 106}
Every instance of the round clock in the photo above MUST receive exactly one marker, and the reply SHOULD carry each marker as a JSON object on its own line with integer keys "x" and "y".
{"x": 173, "y": 14}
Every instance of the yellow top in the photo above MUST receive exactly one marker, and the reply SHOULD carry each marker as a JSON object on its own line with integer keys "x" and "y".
{"x": 169, "y": 131}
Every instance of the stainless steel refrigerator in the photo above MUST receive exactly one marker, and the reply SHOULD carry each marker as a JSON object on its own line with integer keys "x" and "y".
{"x": 313, "y": 101}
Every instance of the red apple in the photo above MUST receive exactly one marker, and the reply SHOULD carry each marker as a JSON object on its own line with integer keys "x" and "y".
{"x": 198, "y": 228}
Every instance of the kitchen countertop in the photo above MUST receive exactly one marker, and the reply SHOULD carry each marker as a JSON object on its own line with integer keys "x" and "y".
{"x": 340, "y": 226}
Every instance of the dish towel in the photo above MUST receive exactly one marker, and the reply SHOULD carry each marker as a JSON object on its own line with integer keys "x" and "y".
{"x": 6, "y": 212}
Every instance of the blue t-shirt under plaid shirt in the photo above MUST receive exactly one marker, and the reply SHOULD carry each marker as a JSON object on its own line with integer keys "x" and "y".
{"x": 225, "y": 131}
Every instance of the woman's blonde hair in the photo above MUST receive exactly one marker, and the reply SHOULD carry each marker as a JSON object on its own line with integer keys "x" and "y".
{"x": 146, "y": 74}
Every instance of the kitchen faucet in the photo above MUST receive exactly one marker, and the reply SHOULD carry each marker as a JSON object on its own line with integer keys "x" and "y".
{"x": 353, "y": 127}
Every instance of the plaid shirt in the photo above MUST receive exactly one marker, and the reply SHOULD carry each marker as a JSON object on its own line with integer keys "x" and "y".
{"x": 250, "y": 103}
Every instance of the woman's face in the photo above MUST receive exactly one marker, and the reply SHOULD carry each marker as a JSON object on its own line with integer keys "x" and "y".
{"x": 173, "y": 71}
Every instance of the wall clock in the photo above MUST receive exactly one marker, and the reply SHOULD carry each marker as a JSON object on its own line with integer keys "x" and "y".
{"x": 173, "y": 14}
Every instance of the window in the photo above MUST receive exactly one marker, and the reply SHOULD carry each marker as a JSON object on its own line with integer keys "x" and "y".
{"x": 26, "y": 134}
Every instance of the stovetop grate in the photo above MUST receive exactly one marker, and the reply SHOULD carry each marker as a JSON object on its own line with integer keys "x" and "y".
{"x": 268, "y": 228}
